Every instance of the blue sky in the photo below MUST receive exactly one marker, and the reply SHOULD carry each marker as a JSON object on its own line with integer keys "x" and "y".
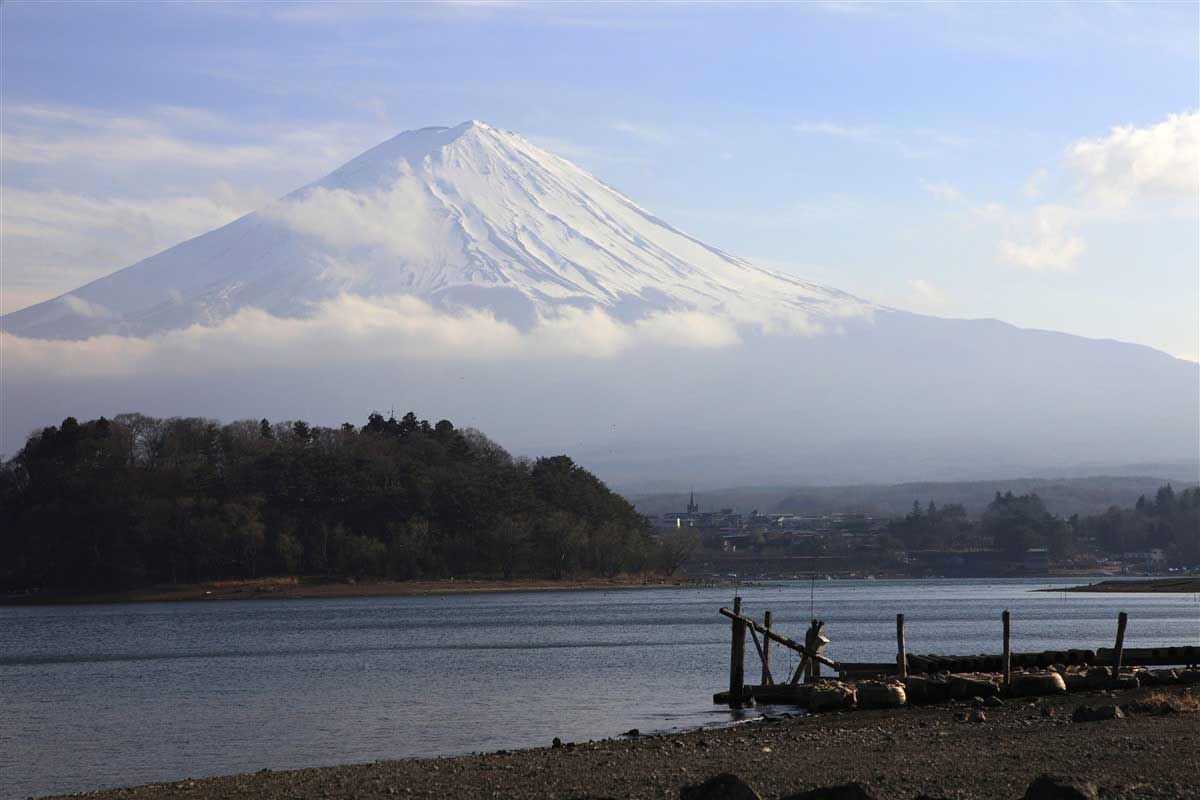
{"x": 1030, "y": 162}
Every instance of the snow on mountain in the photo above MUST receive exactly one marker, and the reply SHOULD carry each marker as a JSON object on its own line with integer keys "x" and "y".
{"x": 466, "y": 216}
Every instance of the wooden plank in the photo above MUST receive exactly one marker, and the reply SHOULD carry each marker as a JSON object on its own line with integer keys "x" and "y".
{"x": 846, "y": 668}
{"x": 901, "y": 655}
{"x": 801, "y": 670}
{"x": 757, "y": 647}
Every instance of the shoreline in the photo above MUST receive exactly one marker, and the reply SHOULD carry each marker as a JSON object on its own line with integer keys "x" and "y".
{"x": 899, "y": 753}
{"x": 307, "y": 588}
{"x": 317, "y": 587}
{"x": 1183, "y": 585}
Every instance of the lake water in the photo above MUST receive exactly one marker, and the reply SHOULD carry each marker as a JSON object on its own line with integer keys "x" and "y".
{"x": 113, "y": 695}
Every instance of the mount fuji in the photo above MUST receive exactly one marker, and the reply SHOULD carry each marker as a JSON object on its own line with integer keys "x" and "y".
{"x": 469, "y": 216}
{"x": 501, "y": 240}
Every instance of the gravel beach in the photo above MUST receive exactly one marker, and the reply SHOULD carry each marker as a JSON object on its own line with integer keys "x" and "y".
{"x": 903, "y": 753}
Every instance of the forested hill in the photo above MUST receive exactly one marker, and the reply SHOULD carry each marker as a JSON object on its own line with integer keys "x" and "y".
{"x": 135, "y": 500}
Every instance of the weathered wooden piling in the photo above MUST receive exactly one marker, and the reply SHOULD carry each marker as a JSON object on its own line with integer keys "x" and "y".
{"x": 901, "y": 655}
{"x": 1006, "y": 656}
{"x": 814, "y": 643}
{"x": 737, "y": 655}
{"x": 1119, "y": 649}
{"x": 767, "y": 680}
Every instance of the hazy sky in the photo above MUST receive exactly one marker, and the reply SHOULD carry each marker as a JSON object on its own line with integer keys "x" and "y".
{"x": 1035, "y": 163}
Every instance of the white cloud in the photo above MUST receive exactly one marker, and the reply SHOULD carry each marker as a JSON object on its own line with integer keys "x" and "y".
{"x": 87, "y": 309}
{"x": 646, "y": 133}
{"x": 128, "y": 185}
{"x": 179, "y": 137}
{"x": 914, "y": 143}
{"x": 1044, "y": 255}
{"x": 1159, "y": 161}
{"x": 353, "y": 328}
{"x": 943, "y": 189}
{"x": 927, "y": 297}
{"x": 398, "y": 219}
{"x": 1033, "y": 186}
{"x": 1128, "y": 171}
{"x": 1051, "y": 246}
{"x": 855, "y": 132}
{"x": 56, "y": 240}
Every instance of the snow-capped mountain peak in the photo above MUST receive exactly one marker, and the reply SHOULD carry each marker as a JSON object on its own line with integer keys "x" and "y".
{"x": 470, "y": 215}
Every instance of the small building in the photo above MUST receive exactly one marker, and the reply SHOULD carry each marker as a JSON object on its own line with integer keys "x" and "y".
{"x": 1037, "y": 559}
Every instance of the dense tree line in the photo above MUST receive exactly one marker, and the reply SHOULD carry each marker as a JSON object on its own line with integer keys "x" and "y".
{"x": 1016, "y": 523}
{"x": 131, "y": 501}
{"x": 933, "y": 528}
{"x": 1170, "y": 522}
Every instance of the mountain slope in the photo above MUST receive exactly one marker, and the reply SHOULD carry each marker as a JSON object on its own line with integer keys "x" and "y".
{"x": 469, "y": 215}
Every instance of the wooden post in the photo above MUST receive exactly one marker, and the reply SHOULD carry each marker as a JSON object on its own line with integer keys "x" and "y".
{"x": 1006, "y": 658}
{"x": 737, "y": 653}
{"x": 1119, "y": 650}
{"x": 901, "y": 655}
{"x": 767, "y": 680}
{"x": 814, "y": 666}
{"x": 814, "y": 643}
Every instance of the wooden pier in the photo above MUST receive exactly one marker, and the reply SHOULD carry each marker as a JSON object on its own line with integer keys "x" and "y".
{"x": 1072, "y": 665}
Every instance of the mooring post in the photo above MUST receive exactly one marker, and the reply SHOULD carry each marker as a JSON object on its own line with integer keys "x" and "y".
{"x": 1006, "y": 659}
{"x": 1119, "y": 650}
{"x": 737, "y": 653}
{"x": 901, "y": 655}
{"x": 766, "y": 651}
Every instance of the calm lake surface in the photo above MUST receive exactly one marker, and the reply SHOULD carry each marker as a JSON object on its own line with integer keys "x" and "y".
{"x": 114, "y": 695}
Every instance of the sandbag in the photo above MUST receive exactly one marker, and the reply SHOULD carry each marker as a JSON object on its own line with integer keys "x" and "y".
{"x": 876, "y": 694}
{"x": 937, "y": 687}
{"x": 1165, "y": 677}
{"x": 970, "y": 685}
{"x": 1076, "y": 681}
{"x": 1026, "y": 684}
{"x": 831, "y": 697}
{"x": 916, "y": 689}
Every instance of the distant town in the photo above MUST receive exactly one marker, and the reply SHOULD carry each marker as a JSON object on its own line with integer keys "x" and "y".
{"x": 1014, "y": 537}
